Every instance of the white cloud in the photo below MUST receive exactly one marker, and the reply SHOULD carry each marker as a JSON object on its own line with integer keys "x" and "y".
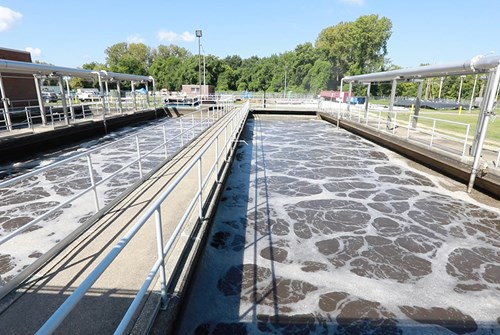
{"x": 354, "y": 2}
{"x": 8, "y": 18}
{"x": 135, "y": 39}
{"x": 34, "y": 51}
{"x": 170, "y": 36}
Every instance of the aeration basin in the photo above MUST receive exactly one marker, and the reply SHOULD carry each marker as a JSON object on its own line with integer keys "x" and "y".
{"x": 320, "y": 231}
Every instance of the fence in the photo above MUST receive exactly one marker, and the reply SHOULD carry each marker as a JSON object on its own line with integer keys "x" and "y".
{"x": 228, "y": 133}
{"x": 429, "y": 131}
{"x": 94, "y": 179}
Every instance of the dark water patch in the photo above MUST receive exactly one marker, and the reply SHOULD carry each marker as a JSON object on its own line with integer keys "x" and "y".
{"x": 310, "y": 266}
{"x": 474, "y": 266}
{"x": 366, "y": 317}
{"x": 449, "y": 318}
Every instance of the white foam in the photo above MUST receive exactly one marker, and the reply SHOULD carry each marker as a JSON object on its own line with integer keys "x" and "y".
{"x": 277, "y": 149}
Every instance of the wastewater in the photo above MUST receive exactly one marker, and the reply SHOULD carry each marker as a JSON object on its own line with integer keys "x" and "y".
{"x": 26, "y": 200}
{"x": 319, "y": 231}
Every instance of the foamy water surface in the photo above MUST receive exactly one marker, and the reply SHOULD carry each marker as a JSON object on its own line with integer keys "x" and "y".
{"x": 25, "y": 201}
{"x": 321, "y": 232}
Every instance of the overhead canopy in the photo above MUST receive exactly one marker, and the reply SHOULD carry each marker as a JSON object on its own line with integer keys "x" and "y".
{"x": 478, "y": 64}
{"x": 12, "y": 66}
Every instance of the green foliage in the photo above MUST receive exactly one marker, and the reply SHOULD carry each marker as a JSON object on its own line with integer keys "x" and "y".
{"x": 355, "y": 47}
{"x": 346, "y": 48}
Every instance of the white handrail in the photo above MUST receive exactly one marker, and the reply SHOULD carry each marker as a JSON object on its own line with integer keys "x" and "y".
{"x": 55, "y": 320}
{"x": 93, "y": 185}
{"x": 444, "y": 135}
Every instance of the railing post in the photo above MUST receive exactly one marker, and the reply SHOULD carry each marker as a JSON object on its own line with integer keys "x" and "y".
{"x": 225, "y": 141}
{"x": 161, "y": 256}
{"x": 28, "y": 120}
{"x": 192, "y": 125}
{"x": 200, "y": 189}
{"x": 92, "y": 183}
{"x": 395, "y": 123}
{"x": 139, "y": 155}
{"x": 51, "y": 116}
{"x": 182, "y": 134}
{"x": 201, "y": 120}
{"x": 432, "y": 133}
{"x": 165, "y": 140}
{"x": 409, "y": 123}
{"x": 217, "y": 159}
{"x": 465, "y": 140}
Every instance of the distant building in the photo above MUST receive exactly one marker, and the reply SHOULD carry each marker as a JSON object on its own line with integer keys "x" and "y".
{"x": 20, "y": 89}
{"x": 192, "y": 90}
{"x": 334, "y": 96}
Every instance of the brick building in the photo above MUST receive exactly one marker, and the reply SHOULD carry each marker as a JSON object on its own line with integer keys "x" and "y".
{"x": 20, "y": 89}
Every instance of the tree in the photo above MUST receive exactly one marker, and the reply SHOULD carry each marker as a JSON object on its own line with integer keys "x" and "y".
{"x": 172, "y": 50}
{"x": 318, "y": 76}
{"x": 165, "y": 72}
{"x": 76, "y": 82}
{"x": 133, "y": 58}
{"x": 355, "y": 47}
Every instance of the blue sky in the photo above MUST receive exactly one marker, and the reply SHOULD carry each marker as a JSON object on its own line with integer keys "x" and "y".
{"x": 71, "y": 33}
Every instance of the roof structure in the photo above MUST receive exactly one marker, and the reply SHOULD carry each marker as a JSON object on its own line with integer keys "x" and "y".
{"x": 11, "y": 66}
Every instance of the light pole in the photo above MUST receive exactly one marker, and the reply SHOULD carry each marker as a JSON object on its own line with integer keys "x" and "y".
{"x": 284, "y": 95}
{"x": 199, "y": 34}
{"x": 204, "y": 67}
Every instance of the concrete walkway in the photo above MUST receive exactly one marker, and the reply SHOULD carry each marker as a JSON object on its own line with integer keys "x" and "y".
{"x": 99, "y": 312}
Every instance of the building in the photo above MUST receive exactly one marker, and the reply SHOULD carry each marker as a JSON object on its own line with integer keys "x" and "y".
{"x": 20, "y": 89}
{"x": 192, "y": 90}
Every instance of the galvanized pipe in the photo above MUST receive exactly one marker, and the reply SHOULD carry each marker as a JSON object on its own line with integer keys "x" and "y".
{"x": 71, "y": 109}
{"x": 487, "y": 107}
{"x": 474, "y": 65}
{"x": 63, "y": 100}
{"x": 41, "y": 106}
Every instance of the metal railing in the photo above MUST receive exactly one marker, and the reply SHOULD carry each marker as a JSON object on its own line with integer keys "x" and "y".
{"x": 438, "y": 138}
{"x": 426, "y": 130}
{"x": 228, "y": 133}
{"x": 190, "y": 129}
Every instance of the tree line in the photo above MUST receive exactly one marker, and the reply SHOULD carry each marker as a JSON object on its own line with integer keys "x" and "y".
{"x": 348, "y": 48}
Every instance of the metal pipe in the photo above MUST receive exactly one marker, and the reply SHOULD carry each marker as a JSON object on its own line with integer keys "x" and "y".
{"x": 474, "y": 65}
{"x": 417, "y": 103}
{"x": 393, "y": 94}
{"x": 473, "y": 91}
{"x": 101, "y": 92}
{"x": 154, "y": 92}
{"x": 71, "y": 109}
{"x": 119, "y": 96}
{"x": 487, "y": 106}
{"x": 367, "y": 100}
{"x": 63, "y": 100}
{"x": 45, "y": 69}
{"x": 41, "y": 106}
{"x": 481, "y": 117}
{"x": 460, "y": 88}
{"x": 440, "y": 87}
{"x": 349, "y": 99}
{"x": 134, "y": 102}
